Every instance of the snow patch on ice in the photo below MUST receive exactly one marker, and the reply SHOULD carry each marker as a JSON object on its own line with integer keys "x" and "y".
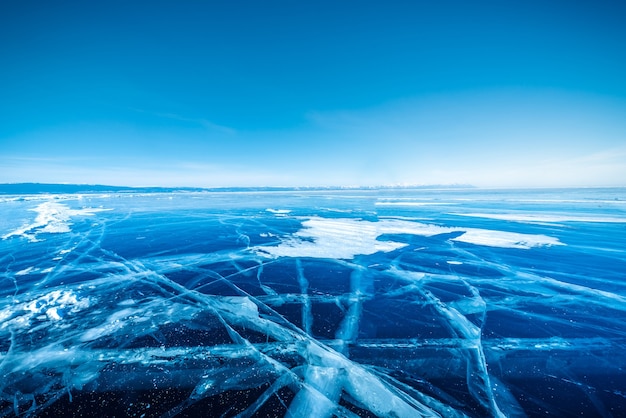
{"x": 26, "y": 271}
{"x": 413, "y": 203}
{"x": 547, "y": 218}
{"x": 278, "y": 211}
{"x": 53, "y": 306}
{"x": 345, "y": 238}
{"x": 52, "y": 218}
{"x": 504, "y": 239}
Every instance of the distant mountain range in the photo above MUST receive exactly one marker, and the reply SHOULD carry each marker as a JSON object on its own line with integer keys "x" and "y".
{"x": 43, "y": 188}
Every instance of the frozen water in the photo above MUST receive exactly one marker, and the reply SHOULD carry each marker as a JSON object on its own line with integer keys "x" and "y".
{"x": 314, "y": 303}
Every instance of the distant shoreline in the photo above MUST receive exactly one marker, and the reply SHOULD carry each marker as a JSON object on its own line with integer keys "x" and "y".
{"x": 55, "y": 188}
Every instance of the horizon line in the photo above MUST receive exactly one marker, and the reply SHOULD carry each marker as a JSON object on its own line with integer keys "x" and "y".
{"x": 43, "y": 188}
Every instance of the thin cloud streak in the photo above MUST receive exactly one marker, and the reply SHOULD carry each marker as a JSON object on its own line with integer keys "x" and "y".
{"x": 488, "y": 139}
{"x": 194, "y": 121}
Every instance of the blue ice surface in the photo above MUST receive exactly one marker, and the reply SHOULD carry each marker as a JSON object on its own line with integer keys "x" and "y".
{"x": 314, "y": 303}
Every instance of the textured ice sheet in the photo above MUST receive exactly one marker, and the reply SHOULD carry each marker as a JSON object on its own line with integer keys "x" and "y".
{"x": 326, "y": 304}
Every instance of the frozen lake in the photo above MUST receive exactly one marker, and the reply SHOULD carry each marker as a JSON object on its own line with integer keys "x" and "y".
{"x": 314, "y": 303}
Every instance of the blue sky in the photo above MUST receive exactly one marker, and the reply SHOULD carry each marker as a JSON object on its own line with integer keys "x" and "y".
{"x": 288, "y": 93}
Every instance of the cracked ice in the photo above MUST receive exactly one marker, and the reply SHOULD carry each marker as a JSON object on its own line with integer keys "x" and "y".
{"x": 396, "y": 303}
